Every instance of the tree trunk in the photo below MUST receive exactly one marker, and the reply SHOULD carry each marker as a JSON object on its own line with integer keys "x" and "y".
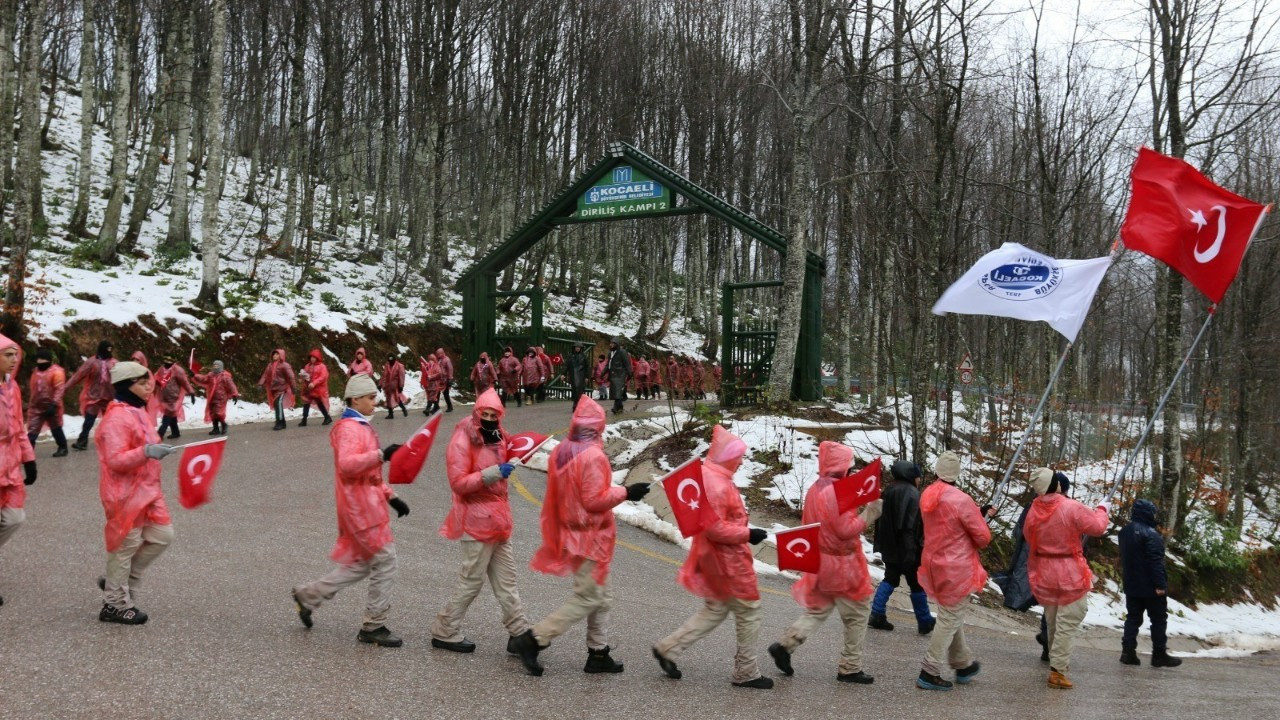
{"x": 78, "y": 224}
{"x": 145, "y": 184}
{"x": 209, "y": 230}
{"x": 8, "y": 96}
{"x": 26, "y": 176}
{"x": 126, "y": 32}
{"x": 178, "y": 239}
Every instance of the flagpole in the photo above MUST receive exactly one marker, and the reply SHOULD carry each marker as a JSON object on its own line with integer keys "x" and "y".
{"x": 998, "y": 496}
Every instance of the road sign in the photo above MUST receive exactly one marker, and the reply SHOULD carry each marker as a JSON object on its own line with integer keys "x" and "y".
{"x": 966, "y": 370}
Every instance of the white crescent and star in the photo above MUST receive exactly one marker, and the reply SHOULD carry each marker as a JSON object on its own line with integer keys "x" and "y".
{"x": 197, "y": 477}
{"x": 1198, "y": 218}
{"x": 791, "y": 547}
{"x": 524, "y": 444}
{"x": 689, "y": 482}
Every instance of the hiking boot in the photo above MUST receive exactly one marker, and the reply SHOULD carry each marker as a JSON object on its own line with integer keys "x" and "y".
{"x": 926, "y": 627}
{"x": 462, "y": 646}
{"x": 175, "y": 435}
{"x": 879, "y": 622}
{"x": 280, "y": 425}
{"x": 327, "y": 420}
{"x": 599, "y": 661}
{"x": 927, "y": 681}
{"x": 782, "y": 659}
{"x": 302, "y": 422}
{"x": 527, "y": 647}
{"x": 965, "y": 675}
{"x": 127, "y": 616}
{"x": 80, "y": 445}
{"x": 214, "y": 431}
{"x": 668, "y": 666}
{"x": 391, "y": 415}
{"x": 403, "y": 411}
{"x": 760, "y": 683}
{"x": 381, "y": 637}
{"x": 1129, "y": 656}
{"x": 61, "y": 451}
{"x": 303, "y": 613}
{"x": 1059, "y": 680}
{"x": 1161, "y": 658}
{"x": 513, "y": 647}
{"x": 859, "y": 677}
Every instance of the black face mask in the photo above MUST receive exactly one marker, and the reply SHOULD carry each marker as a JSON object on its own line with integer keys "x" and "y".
{"x": 489, "y": 431}
{"x": 168, "y": 364}
{"x": 43, "y": 364}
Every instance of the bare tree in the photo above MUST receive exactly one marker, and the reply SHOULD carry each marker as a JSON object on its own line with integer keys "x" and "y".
{"x": 210, "y": 239}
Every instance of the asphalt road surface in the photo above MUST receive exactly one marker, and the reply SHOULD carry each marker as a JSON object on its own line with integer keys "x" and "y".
{"x": 224, "y": 640}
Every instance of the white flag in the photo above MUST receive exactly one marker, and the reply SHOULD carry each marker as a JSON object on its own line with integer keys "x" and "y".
{"x": 1016, "y": 282}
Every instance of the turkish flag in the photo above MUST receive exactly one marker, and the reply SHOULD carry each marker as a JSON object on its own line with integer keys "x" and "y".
{"x": 1180, "y": 217}
{"x": 556, "y": 359}
{"x": 407, "y": 462}
{"x": 193, "y": 363}
{"x": 860, "y": 488}
{"x": 688, "y": 498}
{"x": 522, "y": 447}
{"x": 199, "y": 466}
{"x": 798, "y": 548}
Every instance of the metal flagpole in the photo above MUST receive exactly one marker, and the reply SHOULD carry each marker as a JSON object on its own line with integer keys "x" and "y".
{"x": 998, "y": 496}
{"x": 1142, "y": 439}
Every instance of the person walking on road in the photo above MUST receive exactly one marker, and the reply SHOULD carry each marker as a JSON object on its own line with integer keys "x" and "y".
{"x": 1146, "y": 586}
{"x": 619, "y": 373}
{"x": 138, "y": 527}
{"x": 531, "y": 376}
{"x": 578, "y": 370}
{"x": 899, "y": 537}
{"x": 578, "y": 536}
{"x": 509, "y": 377}
{"x": 219, "y": 387}
{"x": 393, "y": 387}
{"x": 360, "y": 365}
{"x": 278, "y": 381}
{"x": 315, "y": 388}
{"x": 365, "y": 546}
{"x": 95, "y": 373}
{"x": 17, "y": 458}
{"x": 446, "y": 366}
{"x": 172, "y": 386}
{"x": 842, "y": 582}
{"x": 721, "y": 569}
{"x": 950, "y": 571}
{"x": 484, "y": 375}
{"x": 476, "y": 463}
{"x": 47, "y": 384}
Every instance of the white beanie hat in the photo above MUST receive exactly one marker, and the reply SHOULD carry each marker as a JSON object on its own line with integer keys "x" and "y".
{"x": 127, "y": 370}
{"x": 947, "y": 466}
{"x": 359, "y": 385}
{"x": 1040, "y": 479}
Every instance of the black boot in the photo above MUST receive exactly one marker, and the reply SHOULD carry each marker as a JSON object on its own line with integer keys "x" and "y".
{"x": 528, "y": 647}
{"x": 932, "y": 682}
{"x": 1129, "y": 656}
{"x": 1044, "y": 647}
{"x": 859, "y": 678}
{"x": 462, "y": 646}
{"x": 598, "y": 661}
{"x": 303, "y": 421}
{"x": 781, "y": 658}
{"x": 404, "y": 412}
{"x": 127, "y": 616}
{"x": 760, "y": 683}
{"x": 80, "y": 444}
{"x": 1161, "y": 658}
{"x": 879, "y": 622}
{"x": 327, "y": 420}
{"x": 61, "y": 451}
{"x": 668, "y": 666}
{"x": 382, "y": 637}
{"x": 303, "y": 613}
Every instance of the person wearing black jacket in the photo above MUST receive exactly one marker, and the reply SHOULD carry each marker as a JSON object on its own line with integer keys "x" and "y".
{"x": 1145, "y": 586}
{"x": 578, "y": 369}
{"x": 899, "y": 538}
{"x": 619, "y": 372}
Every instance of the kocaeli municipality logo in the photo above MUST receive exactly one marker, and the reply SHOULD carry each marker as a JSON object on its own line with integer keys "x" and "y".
{"x": 1026, "y": 278}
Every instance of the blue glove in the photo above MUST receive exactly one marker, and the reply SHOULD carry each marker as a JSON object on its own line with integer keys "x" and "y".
{"x": 505, "y": 469}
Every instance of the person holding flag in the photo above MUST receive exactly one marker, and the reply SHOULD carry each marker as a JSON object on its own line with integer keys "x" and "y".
{"x": 721, "y": 569}
{"x": 1059, "y": 574}
{"x": 899, "y": 537}
{"x": 138, "y": 527}
{"x": 578, "y": 536}
{"x": 950, "y": 571}
{"x": 18, "y": 459}
{"x": 365, "y": 546}
{"x": 219, "y": 387}
{"x": 477, "y": 466}
{"x": 842, "y": 582}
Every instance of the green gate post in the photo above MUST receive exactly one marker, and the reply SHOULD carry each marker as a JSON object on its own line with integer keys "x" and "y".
{"x": 729, "y": 381}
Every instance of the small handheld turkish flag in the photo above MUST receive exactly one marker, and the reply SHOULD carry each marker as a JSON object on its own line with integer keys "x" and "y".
{"x": 1182, "y": 218}
{"x": 522, "y": 447}
{"x": 688, "y": 498}
{"x": 798, "y": 548}
{"x": 860, "y": 488}
{"x": 199, "y": 466}
{"x": 193, "y": 363}
{"x": 407, "y": 462}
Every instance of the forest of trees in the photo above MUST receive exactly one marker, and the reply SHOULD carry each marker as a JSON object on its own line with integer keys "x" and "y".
{"x": 901, "y": 139}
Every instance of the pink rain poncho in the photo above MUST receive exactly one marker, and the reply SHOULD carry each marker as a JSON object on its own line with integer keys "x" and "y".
{"x": 843, "y": 572}
{"x": 509, "y": 373}
{"x": 432, "y": 378}
{"x": 153, "y": 402}
{"x": 45, "y": 390}
{"x": 531, "y": 370}
{"x": 218, "y": 389}
{"x": 720, "y": 565}
{"x": 1056, "y": 567}
{"x": 98, "y": 392}
{"x": 577, "y": 513}
{"x": 954, "y": 532}
{"x": 128, "y": 481}
{"x": 172, "y": 387}
{"x": 446, "y": 364}
{"x": 483, "y": 512}
{"x": 393, "y": 384}
{"x": 364, "y": 525}
{"x": 278, "y": 380}
{"x": 484, "y": 375}
{"x": 361, "y": 364}
{"x": 316, "y": 387}
{"x": 15, "y": 448}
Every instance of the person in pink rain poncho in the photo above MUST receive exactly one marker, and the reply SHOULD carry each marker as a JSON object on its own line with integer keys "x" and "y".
{"x": 17, "y": 459}
{"x": 95, "y": 373}
{"x": 46, "y": 387}
{"x": 315, "y": 388}
{"x": 278, "y": 381}
{"x": 393, "y": 375}
{"x": 172, "y": 387}
{"x": 361, "y": 364}
{"x": 219, "y": 387}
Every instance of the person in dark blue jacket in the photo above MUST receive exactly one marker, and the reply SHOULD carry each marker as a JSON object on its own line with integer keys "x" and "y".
{"x": 899, "y": 538}
{"x": 1145, "y": 585}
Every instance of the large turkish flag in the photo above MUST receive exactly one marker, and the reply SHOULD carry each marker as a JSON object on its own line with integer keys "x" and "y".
{"x": 407, "y": 462}
{"x": 860, "y": 488}
{"x": 199, "y": 466}
{"x": 798, "y": 549}
{"x": 688, "y": 498}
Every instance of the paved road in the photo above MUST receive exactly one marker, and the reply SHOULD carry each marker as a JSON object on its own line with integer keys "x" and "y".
{"x": 224, "y": 642}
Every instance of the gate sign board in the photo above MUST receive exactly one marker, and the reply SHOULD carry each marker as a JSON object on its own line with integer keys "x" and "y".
{"x": 623, "y": 191}
{"x": 966, "y": 370}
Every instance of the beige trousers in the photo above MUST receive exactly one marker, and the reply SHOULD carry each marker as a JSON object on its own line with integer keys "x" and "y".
{"x": 853, "y": 614}
{"x": 481, "y": 560}
{"x": 946, "y": 644}
{"x": 125, "y": 566}
{"x": 1063, "y": 625}
{"x": 10, "y": 520}
{"x": 381, "y": 571}
{"x": 747, "y": 618}
{"x": 590, "y": 601}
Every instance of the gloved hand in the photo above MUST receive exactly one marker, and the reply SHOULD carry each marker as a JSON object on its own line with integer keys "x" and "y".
{"x": 872, "y": 511}
{"x": 757, "y": 536}
{"x": 506, "y": 469}
{"x": 491, "y": 474}
{"x": 987, "y": 510}
{"x": 389, "y": 450}
{"x": 1106, "y": 506}
{"x": 29, "y": 467}
{"x": 158, "y": 451}
{"x": 637, "y": 491}
{"x": 400, "y": 506}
